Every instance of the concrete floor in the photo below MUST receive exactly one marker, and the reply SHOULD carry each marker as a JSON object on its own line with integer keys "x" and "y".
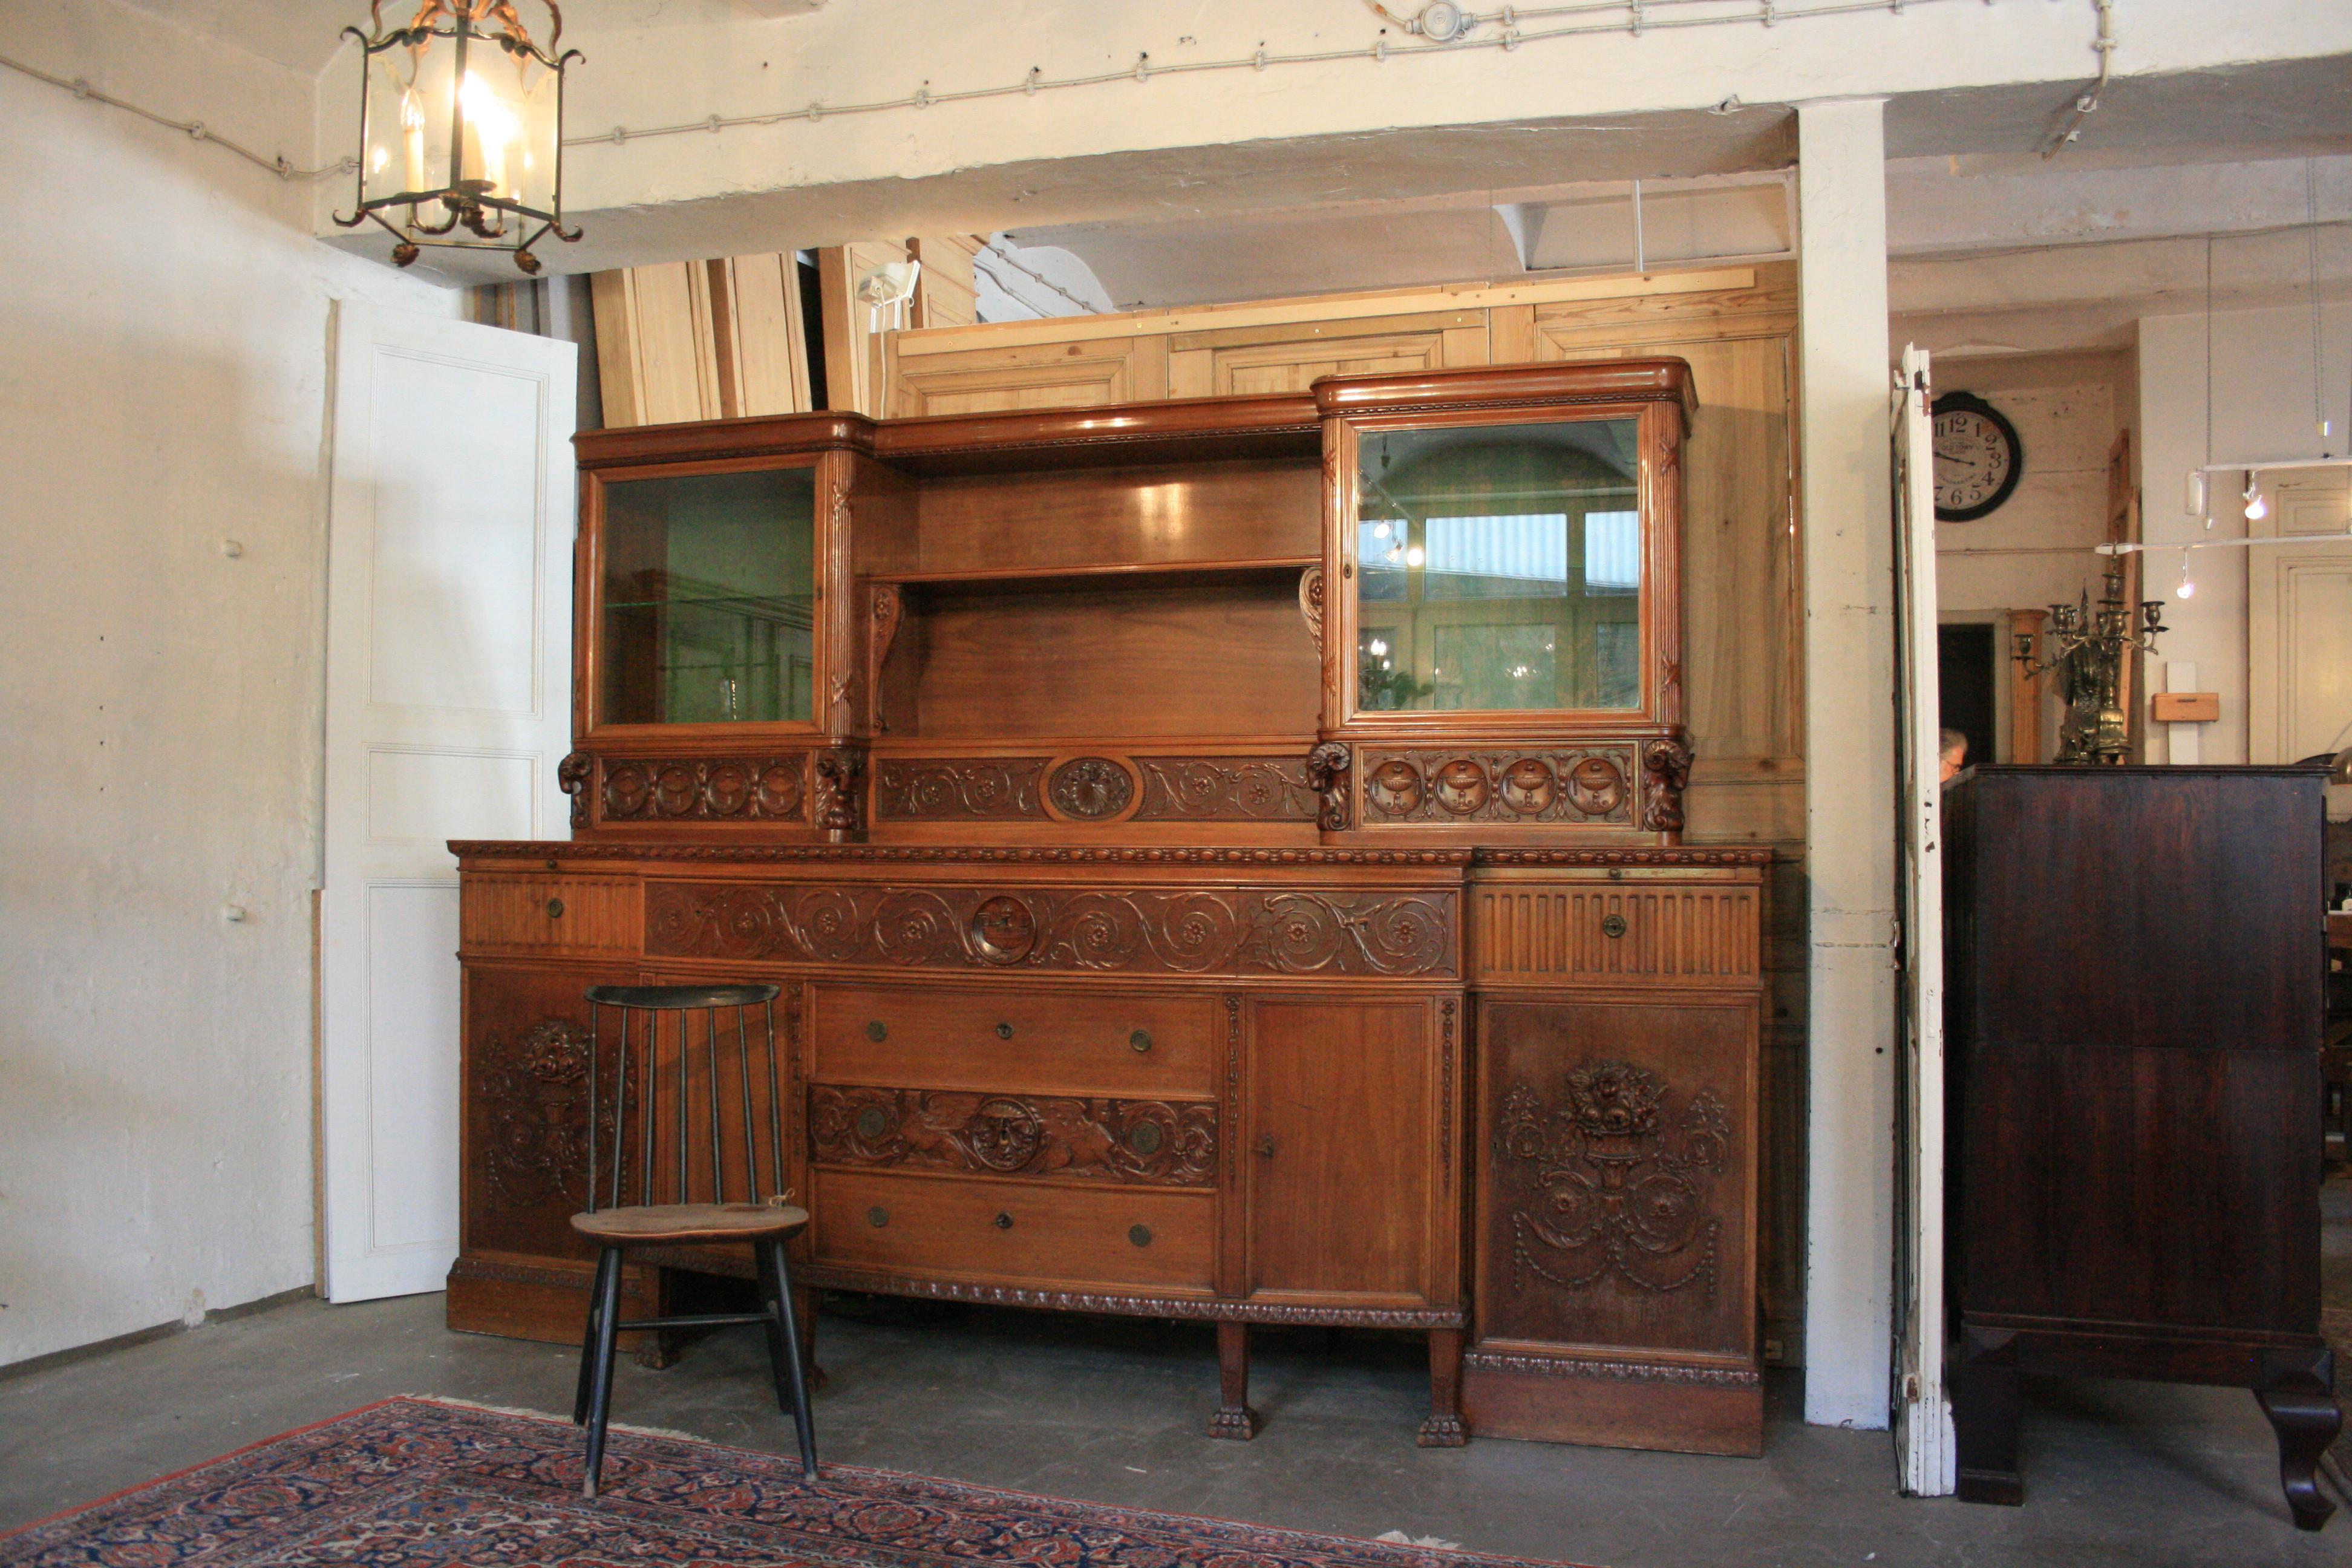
{"x": 2119, "y": 1474}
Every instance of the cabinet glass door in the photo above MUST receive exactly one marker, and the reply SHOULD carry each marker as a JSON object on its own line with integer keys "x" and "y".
{"x": 1499, "y": 568}
{"x": 708, "y": 599}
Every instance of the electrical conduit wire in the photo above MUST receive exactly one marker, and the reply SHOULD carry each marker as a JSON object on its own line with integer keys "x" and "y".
{"x": 194, "y": 129}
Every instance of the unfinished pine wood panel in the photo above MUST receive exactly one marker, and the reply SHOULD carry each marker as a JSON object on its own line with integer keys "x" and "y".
{"x": 854, "y": 359}
{"x": 762, "y": 299}
{"x": 946, "y": 294}
{"x": 1050, "y": 375}
{"x": 655, "y": 365}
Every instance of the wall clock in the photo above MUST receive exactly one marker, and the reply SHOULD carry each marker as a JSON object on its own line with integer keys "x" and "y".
{"x": 1978, "y": 457}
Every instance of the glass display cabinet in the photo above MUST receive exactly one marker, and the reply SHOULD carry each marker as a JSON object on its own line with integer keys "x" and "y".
{"x": 1507, "y": 641}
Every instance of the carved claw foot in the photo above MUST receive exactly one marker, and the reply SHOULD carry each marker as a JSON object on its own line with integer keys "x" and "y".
{"x": 1234, "y": 1422}
{"x": 2306, "y": 1422}
{"x": 1443, "y": 1432}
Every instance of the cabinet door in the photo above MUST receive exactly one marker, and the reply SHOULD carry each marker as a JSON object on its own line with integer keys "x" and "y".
{"x": 526, "y": 1106}
{"x": 1342, "y": 1113}
{"x": 1617, "y": 1175}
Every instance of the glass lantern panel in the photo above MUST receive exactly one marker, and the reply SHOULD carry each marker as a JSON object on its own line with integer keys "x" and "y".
{"x": 408, "y": 125}
{"x": 535, "y": 152}
{"x": 708, "y": 599}
{"x": 1499, "y": 568}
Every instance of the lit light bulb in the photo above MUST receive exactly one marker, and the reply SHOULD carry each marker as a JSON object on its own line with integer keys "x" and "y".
{"x": 1415, "y": 557}
{"x": 2188, "y": 589}
{"x": 2258, "y": 506}
{"x": 1379, "y": 647}
{"x": 1379, "y": 531}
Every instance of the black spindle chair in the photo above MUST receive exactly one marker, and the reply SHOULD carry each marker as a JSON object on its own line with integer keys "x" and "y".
{"x": 655, "y": 1072}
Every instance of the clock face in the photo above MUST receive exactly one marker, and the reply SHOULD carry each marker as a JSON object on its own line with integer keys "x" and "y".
{"x": 1978, "y": 460}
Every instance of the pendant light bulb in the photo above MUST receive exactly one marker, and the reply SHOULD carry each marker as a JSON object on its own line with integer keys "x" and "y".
{"x": 2258, "y": 506}
{"x": 2188, "y": 589}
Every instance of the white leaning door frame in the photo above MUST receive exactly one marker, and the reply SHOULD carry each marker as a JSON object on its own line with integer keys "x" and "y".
{"x": 1925, "y": 1449}
{"x": 448, "y": 708}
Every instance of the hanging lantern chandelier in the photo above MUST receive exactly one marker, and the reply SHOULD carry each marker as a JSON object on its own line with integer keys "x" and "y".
{"x": 461, "y": 131}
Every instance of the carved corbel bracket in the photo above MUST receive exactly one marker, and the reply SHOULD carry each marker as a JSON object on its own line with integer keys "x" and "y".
{"x": 840, "y": 792}
{"x": 1666, "y": 773}
{"x": 1327, "y": 767}
{"x": 1311, "y": 601}
{"x": 572, "y": 775}
{"x": 884, "y": 607}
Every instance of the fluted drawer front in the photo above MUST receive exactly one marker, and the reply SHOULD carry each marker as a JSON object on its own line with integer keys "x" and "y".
{"x": 529, "y": 912}
{"x": 1537, "y": 932}
{"x": 987, "y": 1040}
{"x": 1014, "y": 1232}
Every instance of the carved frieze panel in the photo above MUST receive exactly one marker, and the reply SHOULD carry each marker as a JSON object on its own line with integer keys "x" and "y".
{"x": 534, "y": 1093}
{"x": 1225, "y": 789}
{"x": 969, "y": 789}
{"x": 769, "y": 788}
{"x": 1576, "y": 786}
{"x": 1607, "y": 1180}
{"x": 1179, "y": 931}
{"x": 1144, "y": 1142}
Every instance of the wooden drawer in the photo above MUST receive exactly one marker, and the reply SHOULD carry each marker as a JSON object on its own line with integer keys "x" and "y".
{"x": 529, "y": 912}
{"x": 988, "y": 1039}
{"x": 1014, "y": 1232}
{"x": 1649, "y": 933}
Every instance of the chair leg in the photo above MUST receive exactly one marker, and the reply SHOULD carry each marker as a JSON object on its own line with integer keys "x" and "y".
{"x": 600, "y": 1390}
{"x": 605, "y": 1259}
{"x": 784, "y": 1348}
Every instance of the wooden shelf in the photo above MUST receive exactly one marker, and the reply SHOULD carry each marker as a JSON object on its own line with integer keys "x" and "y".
{"x": 1117, "y": 574}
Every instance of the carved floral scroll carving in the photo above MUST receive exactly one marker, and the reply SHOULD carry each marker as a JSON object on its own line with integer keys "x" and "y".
{"x": 1142, "y": 930}
{"x": 1581, "y": 785}
{"x": 694, "y": 789}
{"x": 1171, "y": 789}
{"x": 1609, "y": 1185}
{"x": 1226, "y": 789}
{"x": 1311, "y": 601}
{"x": 1144, "y": 1142}
{"x": 534, "y": 1091}
{"x": 968, "y": 788}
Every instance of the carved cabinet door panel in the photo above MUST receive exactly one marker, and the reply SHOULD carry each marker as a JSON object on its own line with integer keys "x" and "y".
{"x": 1616, "y": 1175}
{"x": 1342, "y": 1148}
{"x": 526, "y": 1106}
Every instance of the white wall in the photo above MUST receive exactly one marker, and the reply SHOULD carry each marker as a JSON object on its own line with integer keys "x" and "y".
{"x": 163, "y": 332}
{"x": 2262, "y": 408}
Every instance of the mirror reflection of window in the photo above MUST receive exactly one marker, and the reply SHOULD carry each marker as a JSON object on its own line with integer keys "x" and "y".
{"x": 710, "y": 599}
{"x": 1499, "y": 567}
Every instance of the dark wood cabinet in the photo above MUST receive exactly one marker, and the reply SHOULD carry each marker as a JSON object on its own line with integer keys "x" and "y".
{"x": 1114, "y": 793}
{"x": 2136, "y": 967}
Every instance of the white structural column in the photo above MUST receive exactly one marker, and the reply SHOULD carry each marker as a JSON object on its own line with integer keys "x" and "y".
{"x": 1850, "y": 718}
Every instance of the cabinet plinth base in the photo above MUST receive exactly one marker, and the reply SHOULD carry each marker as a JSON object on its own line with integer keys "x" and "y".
{"x": 1562, "y": 1402}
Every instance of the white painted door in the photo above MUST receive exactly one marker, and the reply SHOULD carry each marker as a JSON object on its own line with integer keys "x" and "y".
{"x": 2299, "y": 623}
{"x": 1923, "y": 1408}
{"x": 448, "y": 703}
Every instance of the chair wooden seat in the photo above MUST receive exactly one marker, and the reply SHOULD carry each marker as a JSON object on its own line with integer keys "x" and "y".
{"x": 650, "y": 1225}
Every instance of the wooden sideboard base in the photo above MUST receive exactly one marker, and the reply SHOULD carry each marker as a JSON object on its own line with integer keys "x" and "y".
{"x": 538, "y": 1299}
{"x": 1559, "y": 1403}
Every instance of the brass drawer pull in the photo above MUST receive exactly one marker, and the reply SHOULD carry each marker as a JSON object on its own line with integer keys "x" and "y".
{"x": 1139, "y": 1234}
{"x": 877, "y": 1217}
{"x": 1266, "y": 1145}
{"x": 1003, "y": 1031}
{"x": 1002, "y": 1221}
{"x": 1139, "y": 1041}
{"x": 555, "y": 908}
{"x": 1612, "y": 925}
{"x": 877, "y": 1030}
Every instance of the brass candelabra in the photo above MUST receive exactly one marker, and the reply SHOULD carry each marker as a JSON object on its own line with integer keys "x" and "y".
{"x": 2087, "y": 649}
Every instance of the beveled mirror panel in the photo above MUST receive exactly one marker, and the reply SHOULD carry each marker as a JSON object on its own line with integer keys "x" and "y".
{"x": 1499, "y": 568}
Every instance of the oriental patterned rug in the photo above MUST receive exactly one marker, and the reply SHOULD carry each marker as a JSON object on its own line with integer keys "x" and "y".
{"x": 415, "y": 1483}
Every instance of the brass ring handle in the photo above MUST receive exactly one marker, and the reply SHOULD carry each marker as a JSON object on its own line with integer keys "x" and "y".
{"x": 1140, "y": 1040}
{"x": 1003, "y": 1031}
{"x": 1612, "y": 925}
{"x": 555, "y": 908}
{"x": 1002, "y": 1221}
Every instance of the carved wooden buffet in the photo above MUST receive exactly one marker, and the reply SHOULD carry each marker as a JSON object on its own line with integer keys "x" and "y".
{"x": 1221, "y": 862}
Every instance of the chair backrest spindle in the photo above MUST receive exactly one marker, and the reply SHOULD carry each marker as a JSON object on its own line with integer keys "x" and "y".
{"x": 642, "y": 1040}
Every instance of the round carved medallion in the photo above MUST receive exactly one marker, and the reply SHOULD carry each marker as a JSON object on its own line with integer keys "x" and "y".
{"x": 779, "y": 790}
{"x": 1462, "y": 786}
{"x": 675, "y": 790}
{"x": 1595, "y": 788}
{"x": 625, "y": 791}
{"x": 873, "y": 1124}
{"x": 1004, "y": 1134}
{"x": 1090, "y": 788}
{"x": 1145, "y": 1138}
{"x": 1003, "y": 930}
{"x": 727, "y": 789}
{"x": 1394, "y": 787}
{"x": 1529, "y": 786}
